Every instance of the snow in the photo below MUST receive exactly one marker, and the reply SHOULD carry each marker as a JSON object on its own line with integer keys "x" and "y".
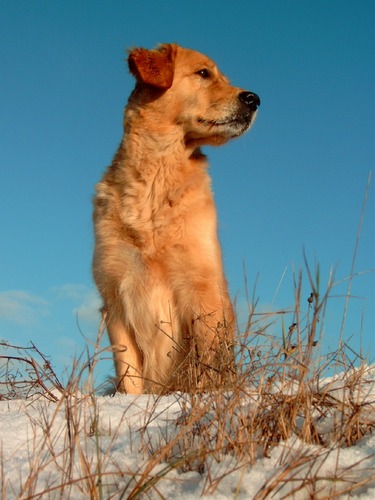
{"x": 52, "y": 450}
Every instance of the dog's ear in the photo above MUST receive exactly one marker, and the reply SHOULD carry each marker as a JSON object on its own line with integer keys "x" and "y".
{"x": 153, "y": 67}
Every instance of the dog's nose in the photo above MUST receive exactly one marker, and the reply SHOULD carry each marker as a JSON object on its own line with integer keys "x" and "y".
{"x": 251, "y": 100}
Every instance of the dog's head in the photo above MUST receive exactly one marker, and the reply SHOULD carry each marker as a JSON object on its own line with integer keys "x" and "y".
{"x": 187, "y": 90}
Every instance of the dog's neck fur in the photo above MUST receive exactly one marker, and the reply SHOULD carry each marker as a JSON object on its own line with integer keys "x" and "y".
{"x": 158, "y": 173}
{"x": 151, "y": 148}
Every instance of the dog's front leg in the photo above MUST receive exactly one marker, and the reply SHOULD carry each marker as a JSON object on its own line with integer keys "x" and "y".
{"x": 127, "y": 358}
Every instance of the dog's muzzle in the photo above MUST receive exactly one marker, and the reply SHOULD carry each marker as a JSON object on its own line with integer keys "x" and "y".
{"x": 239, "y": 121}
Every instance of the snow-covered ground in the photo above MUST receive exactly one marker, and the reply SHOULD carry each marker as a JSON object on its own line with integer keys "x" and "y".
{"x": 85, "y": 447}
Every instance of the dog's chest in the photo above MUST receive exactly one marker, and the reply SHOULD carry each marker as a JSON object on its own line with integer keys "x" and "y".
{"x": 165, "y": 214}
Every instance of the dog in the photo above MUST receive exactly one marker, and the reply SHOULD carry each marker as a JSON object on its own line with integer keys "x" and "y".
{"x": 157, "y": 260}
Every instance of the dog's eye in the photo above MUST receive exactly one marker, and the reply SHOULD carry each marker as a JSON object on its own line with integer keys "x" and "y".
{"x": 204, "y": 73}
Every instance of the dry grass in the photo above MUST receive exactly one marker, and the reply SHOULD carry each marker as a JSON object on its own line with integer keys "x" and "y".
{"x": 280, "y": 399}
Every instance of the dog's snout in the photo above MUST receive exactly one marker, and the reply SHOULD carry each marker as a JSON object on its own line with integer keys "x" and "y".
{"x": 250, "y": 99}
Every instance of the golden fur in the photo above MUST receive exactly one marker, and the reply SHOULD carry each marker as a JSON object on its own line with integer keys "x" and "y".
{"x": 157, "y": 260}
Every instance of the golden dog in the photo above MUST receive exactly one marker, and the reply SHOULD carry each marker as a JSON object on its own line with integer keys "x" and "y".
{"x": 157, "y": 260}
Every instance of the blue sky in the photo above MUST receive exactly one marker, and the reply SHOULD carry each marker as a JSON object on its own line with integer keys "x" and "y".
{"x": 296, "y": 180}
